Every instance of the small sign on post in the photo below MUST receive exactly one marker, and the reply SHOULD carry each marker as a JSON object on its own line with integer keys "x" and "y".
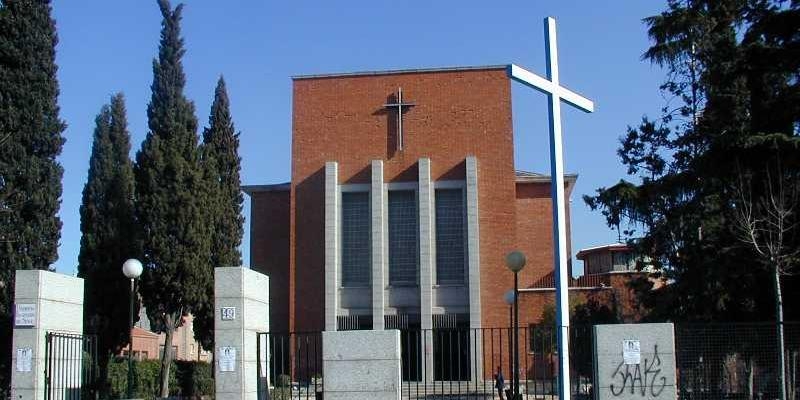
{"x": 631, "y": 352}
{"x": 25, "y": 315}
{"x": 227, "y": 359}
{"x": 24, "y": 359}
{"x": 228, "y": 313}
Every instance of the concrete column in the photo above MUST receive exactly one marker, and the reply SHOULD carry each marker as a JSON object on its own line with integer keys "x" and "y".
{"x": 45, "y": 302}
{"x": 247, "y": 293}
{"x": 332, "y": 257}
{"x": 474, "y": 262}
{"x": 361, "y": 365}
{"x": 379, "y": 256}
{"x": 427, "y": 258}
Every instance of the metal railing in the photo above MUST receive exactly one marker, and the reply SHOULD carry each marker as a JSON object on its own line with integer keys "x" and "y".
{"x": 289, "y": 365}
{"x": 71, "y": 369}
{"x": 713, "y": 361}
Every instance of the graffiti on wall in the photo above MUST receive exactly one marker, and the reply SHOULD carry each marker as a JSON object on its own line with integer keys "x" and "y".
{"x": 643, "y": 378}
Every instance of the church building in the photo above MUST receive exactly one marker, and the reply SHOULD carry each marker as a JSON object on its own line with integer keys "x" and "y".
{"x": 403, "y": 202}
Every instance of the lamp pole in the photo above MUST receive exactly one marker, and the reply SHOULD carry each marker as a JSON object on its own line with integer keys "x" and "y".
{"x": 509, "y": 297}
{"x": 515, "y": 261}
{"x": 132, "y": 269}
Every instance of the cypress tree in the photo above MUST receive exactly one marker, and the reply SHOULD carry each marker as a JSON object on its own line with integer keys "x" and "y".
{"x": 170, "y": 192}
{"x": 30, "y": 141}
{"x": 221, "y": 163}
{"x": 108, "y": 229}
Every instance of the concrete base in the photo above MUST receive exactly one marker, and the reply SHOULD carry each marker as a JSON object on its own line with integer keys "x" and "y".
{"x": 361, "y": 365}
{"x": 54, "y": 303}
{"x": 622, "y": 372}
{"x": 245, "y": 296}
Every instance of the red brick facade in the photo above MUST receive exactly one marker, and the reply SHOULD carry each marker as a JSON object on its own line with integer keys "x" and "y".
{"x": 457, "y": 113}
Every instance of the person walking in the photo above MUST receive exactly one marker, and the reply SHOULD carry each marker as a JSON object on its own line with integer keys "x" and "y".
{"x": 499, "y": 382}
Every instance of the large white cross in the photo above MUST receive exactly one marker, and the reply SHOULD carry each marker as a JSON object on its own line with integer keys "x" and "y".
{"x": 555, "y": 93}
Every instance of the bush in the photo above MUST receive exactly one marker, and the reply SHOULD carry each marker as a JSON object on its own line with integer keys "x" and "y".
{"x": 186, "y": 378}
{"x": 195, "y": 378}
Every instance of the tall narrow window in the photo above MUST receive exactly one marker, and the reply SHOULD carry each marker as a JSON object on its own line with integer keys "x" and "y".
{"x": 356, "y": 251}
{"x": 450, "y": 259}
{"x": 403, "y": 233}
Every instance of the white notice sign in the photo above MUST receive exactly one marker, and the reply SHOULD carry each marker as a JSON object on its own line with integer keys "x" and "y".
{"x": 24, "y": 359}
{"x": 25, "y": 315}
{"x": 227, "y": 359}
{"x": 631, "y": 351}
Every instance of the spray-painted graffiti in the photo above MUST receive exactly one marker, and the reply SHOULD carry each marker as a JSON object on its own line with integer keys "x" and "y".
{"x": 630, "y": 377}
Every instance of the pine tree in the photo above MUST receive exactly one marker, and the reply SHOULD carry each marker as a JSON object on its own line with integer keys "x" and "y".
{"x": 108, "y": 228}
{"x": 732, "y": 71}
{"x": 170, "y": 198}
{"x": 30, "y": 141}
{"x": 221, "y": 163}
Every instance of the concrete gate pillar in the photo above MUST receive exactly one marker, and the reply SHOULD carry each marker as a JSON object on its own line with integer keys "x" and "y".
{"x": 45, "y": 302}
{"x": 241, "y": 310}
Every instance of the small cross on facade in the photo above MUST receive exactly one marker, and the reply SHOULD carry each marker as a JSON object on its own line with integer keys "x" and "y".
{"x": 399, "y": 107}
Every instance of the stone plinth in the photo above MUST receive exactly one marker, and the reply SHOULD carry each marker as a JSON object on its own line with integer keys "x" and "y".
{"x": 361, "y": 365}
{"x": 243, "y": 294}
{"x": 52, "y": 303}
{"x": 634, "y": 361}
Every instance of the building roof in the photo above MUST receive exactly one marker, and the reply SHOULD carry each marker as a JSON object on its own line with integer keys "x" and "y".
{"x": 535, "y": 177}
{"x": 401, "y": 71}
{"x": 277, "y": 187}
{"x": 613, "y": 247}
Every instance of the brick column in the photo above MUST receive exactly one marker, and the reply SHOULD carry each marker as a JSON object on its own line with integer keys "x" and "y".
{"x": 331, "y": 244}
{"x": 427, "y": 258}
{"x": 474, "y": 262}
{"x": 379, "y": 254}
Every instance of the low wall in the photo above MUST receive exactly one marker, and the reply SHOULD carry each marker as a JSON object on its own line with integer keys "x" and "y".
{"x": 361, "y": 365}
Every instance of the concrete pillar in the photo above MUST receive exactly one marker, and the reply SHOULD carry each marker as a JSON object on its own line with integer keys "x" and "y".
{"x": 45, "y": 302}
{"x": 379, "y": 254}
{"x": 427, "y": 261}
{"x": 241, "y": 310}
{"x": 332, "y": 257}
{"x": 474, "y": 264}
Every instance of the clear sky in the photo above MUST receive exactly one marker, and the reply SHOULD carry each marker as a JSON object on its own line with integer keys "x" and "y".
{"x": 108, "y": 46}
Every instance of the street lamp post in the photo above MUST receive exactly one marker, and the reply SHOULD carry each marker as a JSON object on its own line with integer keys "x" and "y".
{"x": 509, "y": 298}
{"x": 515, "y": 261}
{"x": 132, "y": 268}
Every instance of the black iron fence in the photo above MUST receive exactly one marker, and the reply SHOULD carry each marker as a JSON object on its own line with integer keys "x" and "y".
{"x": 714, "y": 361}
{"x": 71, "y": 369}
{"x": 466, "y": 362}
{"x": 289, "y": 365}
{"x": 736, "y": 361}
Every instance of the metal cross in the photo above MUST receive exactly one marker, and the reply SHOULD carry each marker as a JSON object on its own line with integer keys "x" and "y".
{"x": 399, "y": 105}
{"x": 555, "y": 93}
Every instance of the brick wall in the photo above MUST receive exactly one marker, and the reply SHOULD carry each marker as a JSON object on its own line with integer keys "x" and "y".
{"x": 269, "y": 250}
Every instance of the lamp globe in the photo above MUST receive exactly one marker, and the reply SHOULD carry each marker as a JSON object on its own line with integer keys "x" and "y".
{"x": 132, "y": 268}
{"x": 515, "y": 261}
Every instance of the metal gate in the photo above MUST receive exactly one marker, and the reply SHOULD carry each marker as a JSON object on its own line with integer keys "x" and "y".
{"x": 70, "y": 369}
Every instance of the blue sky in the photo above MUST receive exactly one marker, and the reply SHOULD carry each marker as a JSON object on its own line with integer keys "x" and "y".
{"x": 108, "y": 46}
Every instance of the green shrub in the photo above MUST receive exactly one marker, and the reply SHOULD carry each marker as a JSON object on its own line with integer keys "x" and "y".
{"x": 146, "y": 384}
{"x": 195, "y": 378}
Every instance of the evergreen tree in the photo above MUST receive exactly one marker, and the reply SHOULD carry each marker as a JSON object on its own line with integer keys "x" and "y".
{"x": 107, "y": 225}
{"x": 221, "y": 163}
{"x": 170, "y": 200}
{"x": 30, "y": 141}
{"x": 732, "y": 71}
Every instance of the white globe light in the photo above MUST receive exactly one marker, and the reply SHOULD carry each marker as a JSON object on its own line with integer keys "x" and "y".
{"x": 132, "y": 268}
{"x": 509, "y": 297}
{"x": 515, "y": 261}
